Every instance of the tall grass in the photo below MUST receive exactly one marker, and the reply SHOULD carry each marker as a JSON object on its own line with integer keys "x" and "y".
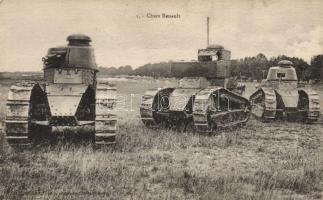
{"x": 258, "y": 161}
{"x": 159, "y": 164}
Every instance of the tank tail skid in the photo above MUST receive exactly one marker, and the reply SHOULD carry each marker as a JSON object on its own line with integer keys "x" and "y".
{"x": 150, "y": 106}
{"x": 16, "y": 123}
{"x": 106, "y": 119}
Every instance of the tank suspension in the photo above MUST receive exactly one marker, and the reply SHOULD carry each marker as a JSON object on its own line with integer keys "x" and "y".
{"x": 215, "y": 108}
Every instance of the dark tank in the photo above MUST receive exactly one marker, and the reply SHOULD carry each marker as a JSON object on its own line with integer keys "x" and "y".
{"x": 205, "y": 99}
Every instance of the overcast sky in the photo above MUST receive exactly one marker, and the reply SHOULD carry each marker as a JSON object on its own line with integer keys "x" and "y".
{"x": 29, "y": 28}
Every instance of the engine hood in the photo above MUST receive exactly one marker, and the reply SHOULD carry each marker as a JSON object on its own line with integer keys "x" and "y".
{"x": 179, "y": 98}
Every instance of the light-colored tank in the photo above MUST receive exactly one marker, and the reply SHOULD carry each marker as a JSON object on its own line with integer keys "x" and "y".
{"x": 203, "y": 102}
{"x": 69, "y": 100}
{"x": 280, "y": 96}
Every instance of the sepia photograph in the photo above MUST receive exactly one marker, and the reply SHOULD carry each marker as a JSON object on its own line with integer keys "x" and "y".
{"x": 164, "y": 99}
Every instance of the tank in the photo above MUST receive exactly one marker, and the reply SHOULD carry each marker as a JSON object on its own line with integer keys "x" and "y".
{"x": 279, "y": 96}
{"x": 68, "y": 100}
{"x": 206, "y": 99}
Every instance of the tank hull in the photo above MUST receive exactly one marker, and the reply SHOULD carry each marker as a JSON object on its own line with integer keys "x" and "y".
{"x": 280, "y": 96}
{"x": 36, "y": 112}
{"x": 301, "y": 104}
{"x": 200, "y": 109}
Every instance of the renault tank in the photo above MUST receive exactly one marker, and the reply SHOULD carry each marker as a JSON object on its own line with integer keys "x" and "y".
{"x": 205, "y": 99}
{"x": 68, "y": 100}
{"x": 280, "y": 96}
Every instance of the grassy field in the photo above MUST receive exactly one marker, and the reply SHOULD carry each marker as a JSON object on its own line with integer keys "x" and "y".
{"x": 258, "y": 161}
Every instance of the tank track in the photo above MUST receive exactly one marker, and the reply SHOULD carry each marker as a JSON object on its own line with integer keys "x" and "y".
{"x": 264, "y": 104}
{"x": 17, "y": 115}
{"x": 312, "y": 111}
{"x": 105, "y": 119}
{"x": 147, "y": 110}
{"x": 208, "y": 117}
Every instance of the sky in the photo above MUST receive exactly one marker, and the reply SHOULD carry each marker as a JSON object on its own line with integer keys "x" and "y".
{"x": 122, "y": 34}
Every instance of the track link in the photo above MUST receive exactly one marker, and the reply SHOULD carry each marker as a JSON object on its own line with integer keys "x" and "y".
{"x": 313, "y": 108}
{"x": 147, "y": 109}
{"x": 106, "y": 119}
{"x": 263, "y": 104}
{"x": 17, "y": 115}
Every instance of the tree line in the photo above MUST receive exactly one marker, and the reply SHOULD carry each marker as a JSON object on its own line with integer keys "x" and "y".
{"x": 253, "y": 68}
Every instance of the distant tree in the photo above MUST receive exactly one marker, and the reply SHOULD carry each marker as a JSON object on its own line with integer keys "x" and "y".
{"x": 125, "y": 70}
{"x": 261, "y": 66}
{"x": 317, "y": 67}
{"x": 255, "y": 67}
{"x": 107, "y": 71}
{"x": 235, "y": 68}
{"x": 161, "y": 69}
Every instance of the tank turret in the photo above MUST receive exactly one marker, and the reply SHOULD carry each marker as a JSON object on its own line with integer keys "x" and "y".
{"x": 283, "y": 72}
{"x": 214, "y": 63}
{"x": 214, "y": 52}
{"x": 74, "y": 63}
{"x": 285, "y": 63}
{"x": 77, "y": 54}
